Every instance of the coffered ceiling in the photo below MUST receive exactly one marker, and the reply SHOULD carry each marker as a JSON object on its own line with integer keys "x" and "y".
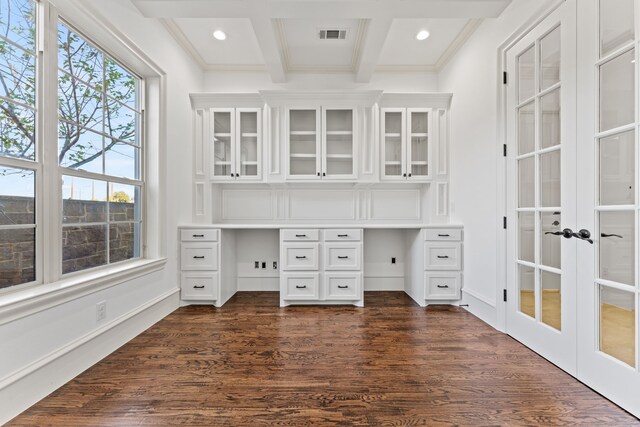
{"x": 283, "y": 36}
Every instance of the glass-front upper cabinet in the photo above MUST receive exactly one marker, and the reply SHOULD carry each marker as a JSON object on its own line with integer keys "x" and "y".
{"x": 321, "y": 144}
{"x": 236, "y": 146}
{"x": 406, "y": 144}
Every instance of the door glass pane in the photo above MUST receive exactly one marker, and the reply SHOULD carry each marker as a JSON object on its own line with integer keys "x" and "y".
{"x": 550, "y": 59}
{"x": 616, "y": 25}
{"x": 222, "y": 144}
{"x": 339, "y": 140}
{"x": 550, "y": 118}
{"x": 526, "y": 75}
{"x": 617, "y": 324}
{"x": 526, "y": 282}
{"x": 526, "y": 178}
{"x": 551, "y": 299}
{"x": 550, "y": 253}
{"x": 526, "y": 128}
{"x": 248, "y": 143}
{"x": 526, "y": 237}
{"x": 302, "y": 142}
{"x": 617, "y": 169}
{"x": 393, "y": 143}
{"x": 550, "y": 179}
{"x": 617, "y": 246}
{"x": 419, "y": 143}
{"x": 617, "y": 90}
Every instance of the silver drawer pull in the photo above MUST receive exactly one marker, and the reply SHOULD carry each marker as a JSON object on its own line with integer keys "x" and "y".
{"x": 301, "y": 235}
{"x": 342, "y": 257}
{"x": 343, "y": 235}
{"x": 301, "y": 286}
{"x": 443, "y": 286}
{"x": 443, "y": 235}
{"x": 198, "y": 257}
{"x": 198, "y": 235}
{"x": 443, "y": 256}
{"x": 343, "y": 286}
{"x": 301, "y": 257}
{"x": 198, "y": 287}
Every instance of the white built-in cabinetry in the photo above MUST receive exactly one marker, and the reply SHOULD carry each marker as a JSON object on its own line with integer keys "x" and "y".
{"x": 406, "y": 144}
{"x": 236, "y": 144}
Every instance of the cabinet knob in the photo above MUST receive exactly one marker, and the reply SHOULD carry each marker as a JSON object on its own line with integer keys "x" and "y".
{"x": 343, "y": 235}
{"x": 198, "y": 287}
{"x": 443, "y": 286}
{"x": 198, "y": 257}
{"x": 343, "y": 286}
{"x": 301, "y": 286}
{"x": 443, "y": 256}
{"x": 318, "y": 173}
{"x": 409, "y": 175}
{"x": 198, "y": 235}
{"x": 343, "y": 257}
{"x": 237, "y": 175}
{"x": 404, "y": 175}
{"x": 301, "y": 257}
{"x": 324, "y": 174}
{"x": 301, "y": 235}
{"x": 443, "y": 235}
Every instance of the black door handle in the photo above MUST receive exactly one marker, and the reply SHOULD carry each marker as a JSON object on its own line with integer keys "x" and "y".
{"x": 610, "y": 235}
{"x": 567, "y": 233}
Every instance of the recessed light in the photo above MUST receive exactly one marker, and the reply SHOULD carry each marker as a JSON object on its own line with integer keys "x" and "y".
{"x": 422, "y": 35}
{"x": 219, "y": 35}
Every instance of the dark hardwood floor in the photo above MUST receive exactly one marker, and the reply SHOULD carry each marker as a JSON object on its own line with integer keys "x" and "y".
{"x": 391, "y": 363}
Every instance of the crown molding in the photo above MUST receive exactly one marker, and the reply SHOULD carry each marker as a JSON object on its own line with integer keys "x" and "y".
{"x": 179, "y": 36}
{"x": 434, "y": 100}
{"x": 467, "y": 31}
{"x": 222, "y": 100}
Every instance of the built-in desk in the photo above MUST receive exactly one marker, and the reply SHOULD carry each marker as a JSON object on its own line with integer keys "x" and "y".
{"x": 323, "y": 264}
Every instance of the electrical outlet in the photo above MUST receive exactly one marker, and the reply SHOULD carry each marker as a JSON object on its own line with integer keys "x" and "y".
{"x": 393, "y": 260}
{"x": 264, "y": 264}
{"x": 101, "y": 311}
{"x": 256, "y": 264}
{"x": 275, "y": 265}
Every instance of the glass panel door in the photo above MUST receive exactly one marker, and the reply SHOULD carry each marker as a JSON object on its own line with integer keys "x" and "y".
{"x": 418, "y": 143}
{"x": 248, "y": 155}
{"x": 394, "y": 143}
{"x": 338, "y": 146}
{"x": 223, "y": 150}
{"x": 304, "y": 144}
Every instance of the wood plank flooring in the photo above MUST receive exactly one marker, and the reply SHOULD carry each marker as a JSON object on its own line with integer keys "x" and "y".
{"x": 251, "y": 363}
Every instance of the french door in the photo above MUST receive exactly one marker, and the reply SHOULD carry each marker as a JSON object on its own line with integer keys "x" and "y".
{"x": 572, "y": 194}
{"x": 541, "y": 198}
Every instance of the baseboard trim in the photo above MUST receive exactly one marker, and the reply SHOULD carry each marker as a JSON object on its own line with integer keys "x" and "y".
{"x": 479, "y": 306}
{"x": 27, "y": 386}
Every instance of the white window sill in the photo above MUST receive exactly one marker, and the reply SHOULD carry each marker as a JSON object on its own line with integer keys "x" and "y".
{"x": 25, "y": 302}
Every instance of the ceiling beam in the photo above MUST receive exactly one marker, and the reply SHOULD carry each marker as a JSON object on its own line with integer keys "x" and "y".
{"x": 376, "y": 34}
{"x": 268, "y": 42}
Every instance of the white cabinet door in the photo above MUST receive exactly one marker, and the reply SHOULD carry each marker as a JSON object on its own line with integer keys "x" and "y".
{"x": 338, "y": 143}
{"x": 223, "y": 150}
{"x": 394, "y": 144}
{"x": 418, "y": 144}
{"x": 304, "y": 144}
{"x": 248, "y": 143}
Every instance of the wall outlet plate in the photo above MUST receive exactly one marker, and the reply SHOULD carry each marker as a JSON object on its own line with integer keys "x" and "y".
{"x": 275, "y": 265}
{"x": 101, "y": 311}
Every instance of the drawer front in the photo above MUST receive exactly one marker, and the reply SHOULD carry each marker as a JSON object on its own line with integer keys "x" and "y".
{"x": 443, "y": 234}
{"x": 343, "y": 256}
{"x": 300, "y": 286}
{"x": 442, "y": 256}
{"x": 343, "y": 286}
{"x": 203, "y": 286}
{"x": 199, "y": 235}
{"x": 300, "y": 256}
{"x": 343, "y": 235}
{"x": 442, "y": 286}
{"x": 199, "y": 256}
{"x": 299, "y": 235}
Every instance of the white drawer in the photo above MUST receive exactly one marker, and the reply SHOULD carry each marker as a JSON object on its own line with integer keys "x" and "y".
{"x": 300, "y": 286}
{"x": 199, "y": 235}
{"x": 199, "y": 256}
{"x": 299, "y": 235}
{"x": 442, "y": 256}
{"x": 343, "y": 286}
{"x": 343, "y": 256}
{"x": 441, "y": 285}
{"x": 443, "y": 234}
{"x": 343, "y": 235}
{"x": 299, "y": 256}
{"x": 199, "y": 286}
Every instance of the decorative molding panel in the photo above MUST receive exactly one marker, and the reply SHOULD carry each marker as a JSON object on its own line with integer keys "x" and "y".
{"x": 200, "y": 134}
{"x": 443, "y": 142}
{"x": 199, "y": 200}
{"x": 322, "y": 204}
{"x": 442, "y": 199}
{"x": 246, "y": 205}
{"x": 395, "y": 205}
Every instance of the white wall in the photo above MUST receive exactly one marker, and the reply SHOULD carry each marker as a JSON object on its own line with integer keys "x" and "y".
{"x": 473, "y": 77}
{"x": 29, "y": 364}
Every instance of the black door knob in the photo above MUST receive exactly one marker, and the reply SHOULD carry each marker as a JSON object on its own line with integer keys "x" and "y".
{"x": 567, "y": 233}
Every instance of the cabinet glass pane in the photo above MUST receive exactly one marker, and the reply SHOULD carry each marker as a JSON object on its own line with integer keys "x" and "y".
{"x": 527, "y": 285}
{"x": 550, "y": 179}
{"x": 526, "y": 75}
{"x": 526, "y": 128}
{"x": 550, "y": 118}
{"x": 302, "y": 142}
{"x": 222, "y": 144}
{"x": 339, "y": 140}
{"x": 419, "y": 144}
{"x": 526, "y": 236}
{"x": 617, "y": 90}
{"x": 551, "y": 302}
{"x": 550, "y": 59}
{"x": 393, "y": 143}
{"x": 617, "y": 324}
{"x": 526, "y": 182}
{"x": 617, "y": 246}
{"x": 248, "y": 144}
{"x": 616, "y": 25}
{"x": 550, "y": 253}
{"x": 617, "y": 169}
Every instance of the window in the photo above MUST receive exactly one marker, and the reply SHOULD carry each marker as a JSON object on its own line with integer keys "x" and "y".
{"x": 99, "y": 153}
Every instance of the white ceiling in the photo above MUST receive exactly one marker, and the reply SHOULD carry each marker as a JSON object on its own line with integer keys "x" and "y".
{"x": 281, "y": 36}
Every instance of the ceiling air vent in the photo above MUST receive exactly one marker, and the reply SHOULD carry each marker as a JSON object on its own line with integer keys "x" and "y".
{"x": 333, "y": 34}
